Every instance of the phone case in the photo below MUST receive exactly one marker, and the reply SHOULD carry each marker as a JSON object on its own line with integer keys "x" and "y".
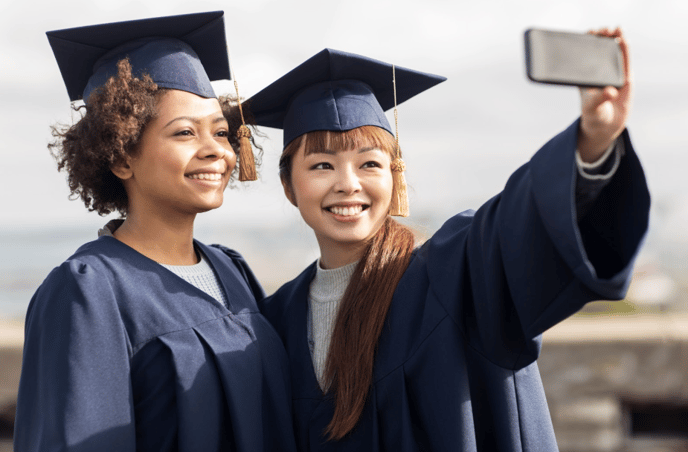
{"x": 577, "y": 59}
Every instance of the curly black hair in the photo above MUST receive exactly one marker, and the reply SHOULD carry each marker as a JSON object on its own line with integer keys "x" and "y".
{"x": 107, "y": 135}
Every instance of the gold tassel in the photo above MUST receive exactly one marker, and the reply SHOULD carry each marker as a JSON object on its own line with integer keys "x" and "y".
{"x": 399, "y": 207}
{"x": 400, "y": 204}
{"x": 247, "y": 164}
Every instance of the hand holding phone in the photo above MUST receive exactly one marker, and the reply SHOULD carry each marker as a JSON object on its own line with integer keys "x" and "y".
{"x": 598, "y": 63}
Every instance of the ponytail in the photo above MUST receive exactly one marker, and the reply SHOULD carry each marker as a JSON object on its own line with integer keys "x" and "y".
{"x": 362, "y": 314}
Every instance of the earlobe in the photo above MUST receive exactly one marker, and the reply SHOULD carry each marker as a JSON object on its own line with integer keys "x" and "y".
{"x": 288, "y": 193}
{"x": 122, "y": 170}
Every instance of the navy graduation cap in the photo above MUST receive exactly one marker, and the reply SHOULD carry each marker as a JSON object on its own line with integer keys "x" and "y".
{"x": 180, "y": 52}
{"x": 335, "y": 90}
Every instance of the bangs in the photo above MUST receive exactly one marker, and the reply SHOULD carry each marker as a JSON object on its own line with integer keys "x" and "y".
{"x": 360, "y": 137}
{"x": 335, "y": 141}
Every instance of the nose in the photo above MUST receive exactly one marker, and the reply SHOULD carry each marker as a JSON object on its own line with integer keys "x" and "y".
{"x": 347, "y": 181}
{"x": 212, "y": 148}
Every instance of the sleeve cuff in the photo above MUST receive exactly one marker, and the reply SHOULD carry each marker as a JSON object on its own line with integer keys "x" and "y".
{"x": 604, "y": 167}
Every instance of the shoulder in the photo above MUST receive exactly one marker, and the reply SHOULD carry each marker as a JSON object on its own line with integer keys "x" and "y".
{"x": 237, "y": 263}
{"x": 276, "y": 306}
{"x": 442, "y": 247}
{"x": 221, "y": 249}
{"x": 223, "y": 252}
{"x": 85, "y": 281}
{"x": 95, "y": 256}
{"x": 457, "y": 223}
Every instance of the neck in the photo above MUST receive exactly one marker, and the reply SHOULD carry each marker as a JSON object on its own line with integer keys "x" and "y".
{"x": 337, "y": 255}
{"x": 166, "y": 241}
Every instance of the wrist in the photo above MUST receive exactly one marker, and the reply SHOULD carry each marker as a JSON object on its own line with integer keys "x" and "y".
{"x": 592, "y": 146}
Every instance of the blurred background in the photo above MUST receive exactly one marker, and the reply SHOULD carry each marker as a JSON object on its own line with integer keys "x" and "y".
{"x": 614, "y": 374}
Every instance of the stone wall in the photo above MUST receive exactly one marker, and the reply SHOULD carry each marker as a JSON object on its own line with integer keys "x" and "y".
{"x": 618, "y": 383}
{"x": 11, "y": 341}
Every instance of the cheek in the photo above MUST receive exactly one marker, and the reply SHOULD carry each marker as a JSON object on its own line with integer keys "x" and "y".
{"x": 386, "y": 187}
{"x": 302, "y": 192}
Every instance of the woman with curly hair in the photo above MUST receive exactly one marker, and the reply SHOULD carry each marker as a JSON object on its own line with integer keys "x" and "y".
{"x": 146, "y": 339}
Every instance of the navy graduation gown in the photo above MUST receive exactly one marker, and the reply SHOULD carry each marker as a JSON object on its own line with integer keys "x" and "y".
{"x": 455, "y": 368}
{"x": 121, "y": 354}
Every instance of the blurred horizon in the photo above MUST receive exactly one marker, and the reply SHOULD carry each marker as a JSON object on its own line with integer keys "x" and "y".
{"x": 461, "y": 139}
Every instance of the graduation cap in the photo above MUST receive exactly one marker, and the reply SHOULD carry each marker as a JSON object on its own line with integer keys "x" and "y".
{"x": 340, "y": 91}
{"x": 183, "y": 52}
{"x": 180, "y": 52}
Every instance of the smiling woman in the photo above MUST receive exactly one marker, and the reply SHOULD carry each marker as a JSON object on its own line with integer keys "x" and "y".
{"x": 146, "y": 339}
{"x": 393, "y": 347}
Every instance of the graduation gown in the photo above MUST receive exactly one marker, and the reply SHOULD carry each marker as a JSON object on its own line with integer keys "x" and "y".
{"x": 455, "y": 368}
{"x": 121, "y": 354}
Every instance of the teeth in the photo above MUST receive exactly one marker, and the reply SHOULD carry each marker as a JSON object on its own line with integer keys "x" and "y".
{"x": 205, "y": 176}
{"x": 346, "y": 211}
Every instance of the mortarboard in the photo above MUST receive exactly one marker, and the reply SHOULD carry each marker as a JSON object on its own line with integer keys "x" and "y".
{"x": 335, "y": 90}
{"x": 181, "y": 52}
{"x": 340, "y": 91}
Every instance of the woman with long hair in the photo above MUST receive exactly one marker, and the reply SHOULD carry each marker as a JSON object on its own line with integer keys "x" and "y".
{"x": 147, "y": 339}
{"x": 399, "y": 347}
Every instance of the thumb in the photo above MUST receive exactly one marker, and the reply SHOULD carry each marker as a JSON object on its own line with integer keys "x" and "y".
{"x": 591, "y": 98}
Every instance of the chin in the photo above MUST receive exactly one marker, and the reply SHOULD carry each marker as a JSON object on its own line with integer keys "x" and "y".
{"x": 209, "y": 206}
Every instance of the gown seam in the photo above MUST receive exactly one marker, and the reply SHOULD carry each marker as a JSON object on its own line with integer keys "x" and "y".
{"x": 137, "y": 347}
{"x": 413, "y": 353}
{"x": 467, "y": 340}
{"x": 469, "y": 343}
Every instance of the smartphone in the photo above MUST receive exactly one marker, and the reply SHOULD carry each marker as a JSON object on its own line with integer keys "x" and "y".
{"x": 578, "y": 59}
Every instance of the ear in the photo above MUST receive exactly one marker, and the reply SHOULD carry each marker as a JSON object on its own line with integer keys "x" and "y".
{"x": 289, "y": 193}
{"x": 122, "y": 170}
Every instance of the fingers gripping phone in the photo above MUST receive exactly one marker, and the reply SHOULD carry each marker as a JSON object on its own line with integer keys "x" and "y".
{"x": 578, "y": 59}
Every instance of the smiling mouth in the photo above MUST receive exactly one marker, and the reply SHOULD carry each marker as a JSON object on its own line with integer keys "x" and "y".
{"x": 205, "y": 176}
{"x": 347, "y": 211}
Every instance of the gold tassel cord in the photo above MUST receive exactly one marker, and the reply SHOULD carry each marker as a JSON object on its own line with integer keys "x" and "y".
{"x": 247, "y": 163}
{"x": 399, "y": 206}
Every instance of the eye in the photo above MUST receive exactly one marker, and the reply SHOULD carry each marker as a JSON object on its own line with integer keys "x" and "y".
{"x": 372, "y": 164}
{"x": 184, "y": 133}
{"x": 223, "y": 133}
{"x": 321, "y": 166}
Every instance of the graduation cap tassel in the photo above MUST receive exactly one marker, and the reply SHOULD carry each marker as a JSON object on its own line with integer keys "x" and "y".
{"x": 247, "y": 163}
{"x": 400, "y": 204}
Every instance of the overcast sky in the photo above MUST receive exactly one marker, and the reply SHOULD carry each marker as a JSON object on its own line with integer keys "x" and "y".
{"x": 468, "y": 133}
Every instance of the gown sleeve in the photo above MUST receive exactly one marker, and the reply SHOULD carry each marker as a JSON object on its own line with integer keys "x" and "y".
{"x": 523, "y": 262}
{"x": 75, "y": 392}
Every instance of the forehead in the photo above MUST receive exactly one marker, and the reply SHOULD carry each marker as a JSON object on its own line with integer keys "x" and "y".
{"x": 173, "y": 102}
{"x": 354, "y": 151}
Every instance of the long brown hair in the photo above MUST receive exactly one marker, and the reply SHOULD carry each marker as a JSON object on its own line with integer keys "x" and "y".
{"x": 363, "y": 310}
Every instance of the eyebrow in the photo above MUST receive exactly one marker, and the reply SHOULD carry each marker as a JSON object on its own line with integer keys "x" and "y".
{"x": 195, "y": 120}
{"x": 331, "y": 152}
